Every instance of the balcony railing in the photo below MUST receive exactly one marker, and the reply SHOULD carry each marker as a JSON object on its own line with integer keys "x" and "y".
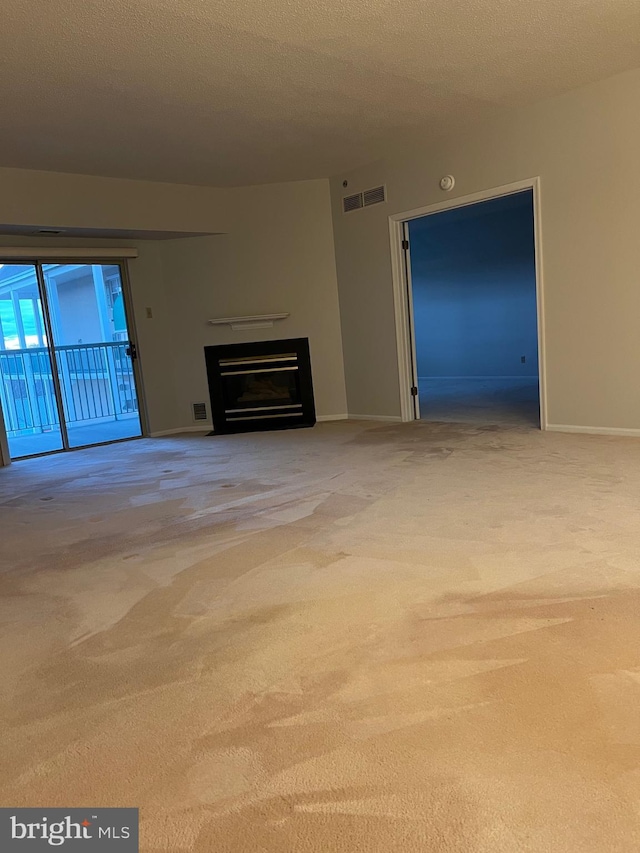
{"x": 96, "y": 382}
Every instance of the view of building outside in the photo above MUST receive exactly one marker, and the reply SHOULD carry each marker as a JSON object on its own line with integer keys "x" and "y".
{"x": 74, "y": 301}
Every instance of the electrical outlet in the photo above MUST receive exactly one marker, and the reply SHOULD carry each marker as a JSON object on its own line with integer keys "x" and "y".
{"x": 523, "y": 359}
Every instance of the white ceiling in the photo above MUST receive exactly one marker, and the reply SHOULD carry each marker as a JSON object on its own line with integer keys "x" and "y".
{"x": 227, "y": 92}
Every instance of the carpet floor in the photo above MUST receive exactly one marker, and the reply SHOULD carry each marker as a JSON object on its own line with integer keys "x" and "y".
{"x": 361, "y": 637}
{"x": 495, "y": 400}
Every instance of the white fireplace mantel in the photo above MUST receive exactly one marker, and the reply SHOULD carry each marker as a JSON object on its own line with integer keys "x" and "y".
{"x": 255, "y": 321}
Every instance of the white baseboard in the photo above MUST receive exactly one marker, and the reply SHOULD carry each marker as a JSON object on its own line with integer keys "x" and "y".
{"x": 203, "y": 427}
{"x": 589, "y": 430}
{"x": 206, "y": 427}
{"x": 387, "y": 418}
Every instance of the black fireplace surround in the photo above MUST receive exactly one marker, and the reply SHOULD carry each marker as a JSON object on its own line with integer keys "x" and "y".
{"x": 260, "y": 386}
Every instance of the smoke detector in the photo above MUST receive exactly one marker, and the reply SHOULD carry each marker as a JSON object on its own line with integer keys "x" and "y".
{"x": 447, "y": 183}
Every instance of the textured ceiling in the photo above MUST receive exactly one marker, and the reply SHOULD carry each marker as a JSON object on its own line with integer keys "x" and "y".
{"x": 227, "y": 92}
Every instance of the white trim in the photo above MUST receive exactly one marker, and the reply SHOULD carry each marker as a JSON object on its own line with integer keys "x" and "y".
{"x": 43, "y": 253}
{"x": 542, "y": 363}
{"x": 386, "y": 418}
{"x": 204, "y": 426}
{"x": 415, "y": 401}
{"x": 465, "y": 200}
{"x": 403, "y": 328}
{"x": 401, "y": 306}
{"x": 589, "y": 430}
{"x": 319, "y": 419}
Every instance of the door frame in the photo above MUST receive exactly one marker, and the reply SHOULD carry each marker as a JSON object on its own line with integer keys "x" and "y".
{"x": 38, "y": 259}
{"x": 130, "y": 317}
{"x": 403, "y": 291}
{"x": 5, "y": 456}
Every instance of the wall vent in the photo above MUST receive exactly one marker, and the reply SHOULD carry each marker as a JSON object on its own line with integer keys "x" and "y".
{"x": 365, "y": 199}
{"x": 199, "y": 411}
{"x": 352, "y": 202}
{"x": 375, "y": 196}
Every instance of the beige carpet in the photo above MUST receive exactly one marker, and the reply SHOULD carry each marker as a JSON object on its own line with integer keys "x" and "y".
{"x": 353, "y": 638}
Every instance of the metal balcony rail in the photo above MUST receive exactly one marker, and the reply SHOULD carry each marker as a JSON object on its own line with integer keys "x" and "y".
{"x": 96, "y": 381}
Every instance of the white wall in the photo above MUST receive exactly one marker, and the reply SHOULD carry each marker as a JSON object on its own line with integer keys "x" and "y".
{"x": 278, "y": 257}
{"x": 584, "y": 147}
{"x": 276, "y": 254}
{"x": 66, "y": 201}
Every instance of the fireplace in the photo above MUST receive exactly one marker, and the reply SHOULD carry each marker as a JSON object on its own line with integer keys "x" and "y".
{"x": 260, "y": 386}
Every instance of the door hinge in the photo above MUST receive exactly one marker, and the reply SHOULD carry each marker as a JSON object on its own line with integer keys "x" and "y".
{"x": 414, "y": 391}
{"x": 132, "y": 351}
{"x": 405, "y": 245}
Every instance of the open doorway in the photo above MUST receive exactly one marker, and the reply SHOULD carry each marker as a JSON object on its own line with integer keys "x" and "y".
{"x": 473, "y": 312}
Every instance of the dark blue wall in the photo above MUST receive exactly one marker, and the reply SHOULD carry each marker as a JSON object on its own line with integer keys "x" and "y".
{"x": 474, "y": 292}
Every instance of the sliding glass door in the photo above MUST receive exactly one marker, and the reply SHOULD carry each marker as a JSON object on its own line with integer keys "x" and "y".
{"x": 66, "y": 358}
{"x": 27, "y": 387}
{"x": 93, "y": 353}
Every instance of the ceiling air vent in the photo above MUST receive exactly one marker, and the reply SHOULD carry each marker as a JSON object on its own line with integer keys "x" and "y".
{"x": 199, "y": 411}
{"x": 352, "y": 202}
{"x": 375, "y": 196}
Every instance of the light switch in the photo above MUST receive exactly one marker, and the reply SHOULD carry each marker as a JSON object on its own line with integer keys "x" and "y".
{"x": 149, "y": 313}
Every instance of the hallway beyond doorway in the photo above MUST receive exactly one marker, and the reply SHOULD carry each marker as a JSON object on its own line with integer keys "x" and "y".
{"x": 473, "y": 307}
